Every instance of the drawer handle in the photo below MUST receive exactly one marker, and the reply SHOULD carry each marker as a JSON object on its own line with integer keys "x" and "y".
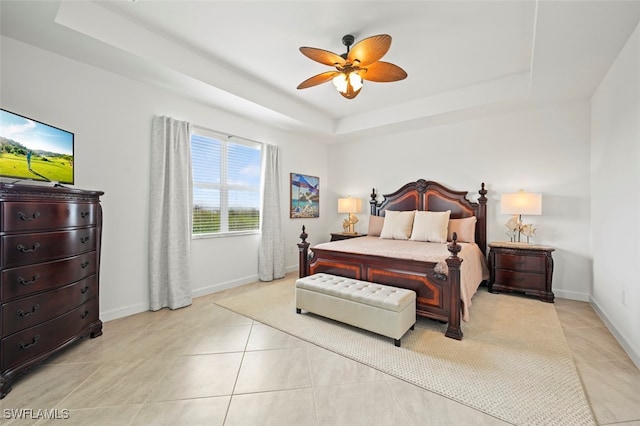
{"x": 84, "y": 239}
{"x": 84, "y": 265}
{"x": 28, "y": 345}
{"x": 84, "y": 290}
{"x": 26, "y": 218}
{"x": 84, "y": 214}
{"x": 23, "y": 314}
{"x": 22, "y": 281}
{"x": 23, "y": 249}
{"x": 84, "y": 314}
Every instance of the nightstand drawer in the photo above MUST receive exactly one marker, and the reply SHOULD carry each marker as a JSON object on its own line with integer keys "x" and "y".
{"x": 519, "y": 280}
{"x": 520, "y": 263}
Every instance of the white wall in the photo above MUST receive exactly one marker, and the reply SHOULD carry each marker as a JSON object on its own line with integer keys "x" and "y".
{"x": 615, "y": 196}
{"x": 540, "y": 150}
{"x": 111, "y": 118}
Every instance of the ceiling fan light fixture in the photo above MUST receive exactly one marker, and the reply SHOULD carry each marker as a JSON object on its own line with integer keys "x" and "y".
{"x": 362, "y": 62}
{"x": 348, "y": 84}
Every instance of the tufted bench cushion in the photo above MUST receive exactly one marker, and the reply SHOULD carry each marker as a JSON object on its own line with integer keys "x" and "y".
{"x": 386, "y": 310}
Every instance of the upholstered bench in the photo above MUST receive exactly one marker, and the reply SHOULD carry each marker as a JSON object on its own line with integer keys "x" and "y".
{"x": 389, "y": 311}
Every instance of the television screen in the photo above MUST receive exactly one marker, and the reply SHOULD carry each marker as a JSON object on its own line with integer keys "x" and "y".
{"x": 33, "y": 150}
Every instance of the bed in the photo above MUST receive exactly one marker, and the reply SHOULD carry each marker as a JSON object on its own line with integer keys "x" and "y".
{"x": 437, "y": 279}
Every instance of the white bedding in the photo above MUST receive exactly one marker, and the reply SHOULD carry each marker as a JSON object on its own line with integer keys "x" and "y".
{"x": 472, "y": 270}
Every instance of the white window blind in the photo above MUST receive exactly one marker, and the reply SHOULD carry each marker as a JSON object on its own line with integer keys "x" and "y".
{"x": 226, "y": 184}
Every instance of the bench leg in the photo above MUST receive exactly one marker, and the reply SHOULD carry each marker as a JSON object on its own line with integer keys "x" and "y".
{"x": 298, "y": 310}
{"x": 396, "y": 342}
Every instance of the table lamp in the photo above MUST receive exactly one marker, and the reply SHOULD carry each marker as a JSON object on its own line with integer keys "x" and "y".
{"x": 521, "y": 203}
{"x": 349, "y": 206}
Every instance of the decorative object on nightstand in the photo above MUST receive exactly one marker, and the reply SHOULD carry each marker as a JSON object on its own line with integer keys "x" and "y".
{"x": 517, "y": 204}
{"x": 521, "y": 267}
{"x": 349, "y": 206}
{"x": 338, "y": 236}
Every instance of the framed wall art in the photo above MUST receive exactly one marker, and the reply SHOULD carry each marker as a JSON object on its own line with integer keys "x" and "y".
{"x": 305, "y": 196}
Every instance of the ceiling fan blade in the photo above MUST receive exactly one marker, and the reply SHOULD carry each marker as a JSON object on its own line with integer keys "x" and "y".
{"x": 323, "y": 56}
{"x": 369, "y": 50}
{"x": 318, "y": 79}
{"x": 383, "y": 72}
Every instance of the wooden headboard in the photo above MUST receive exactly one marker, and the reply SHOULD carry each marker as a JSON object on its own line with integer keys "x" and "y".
{"x": 426, "y": 195}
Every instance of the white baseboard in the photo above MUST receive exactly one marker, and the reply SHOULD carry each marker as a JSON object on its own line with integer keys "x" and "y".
{"x": 635, "y": 357}
{"x": 571, "y": 295}
{"x": 203, "y": 291}
{"x": 123, "y": 312}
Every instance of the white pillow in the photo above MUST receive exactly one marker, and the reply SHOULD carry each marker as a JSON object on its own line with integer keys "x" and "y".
{"x": 397, "y": 225}
{"x": 431, "y": 226}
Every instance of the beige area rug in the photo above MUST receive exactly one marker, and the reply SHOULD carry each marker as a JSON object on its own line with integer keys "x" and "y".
{"x": 513, "y": 362}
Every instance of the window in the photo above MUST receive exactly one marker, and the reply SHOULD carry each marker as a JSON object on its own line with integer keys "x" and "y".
{"x": 226, "y": 184}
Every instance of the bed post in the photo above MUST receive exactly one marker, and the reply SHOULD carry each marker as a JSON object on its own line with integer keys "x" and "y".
{"x": 453, "y": 262}
{"x": 303, "y": 253}
{"x": 482, "y": 218}
{"x": 373, "y": 202}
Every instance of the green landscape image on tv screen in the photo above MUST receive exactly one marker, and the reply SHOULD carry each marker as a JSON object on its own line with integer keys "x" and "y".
{"x": 32, "y": 150}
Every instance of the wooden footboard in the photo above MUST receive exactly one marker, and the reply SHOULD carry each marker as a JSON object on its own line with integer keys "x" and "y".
{"x": 438, "y": 295}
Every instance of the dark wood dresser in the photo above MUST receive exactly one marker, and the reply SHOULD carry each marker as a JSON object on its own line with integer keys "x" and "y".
{"x": 521, "y": 267}
{"x": 49, "y": 273}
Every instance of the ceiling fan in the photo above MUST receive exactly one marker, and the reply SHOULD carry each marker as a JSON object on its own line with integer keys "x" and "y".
{"x": 362, "y": 62}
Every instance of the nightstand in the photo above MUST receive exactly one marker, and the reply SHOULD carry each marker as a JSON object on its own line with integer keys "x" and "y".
{"x": 521, "y": 267}
{"x": 337, "y": 236}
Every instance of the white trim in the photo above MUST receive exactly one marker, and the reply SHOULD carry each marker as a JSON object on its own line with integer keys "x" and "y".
{"x": 622, "y": 340}
{"x": 571, "y": 295}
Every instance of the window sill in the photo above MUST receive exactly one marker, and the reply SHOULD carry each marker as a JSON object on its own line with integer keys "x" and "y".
{"x": 223, "y": 235}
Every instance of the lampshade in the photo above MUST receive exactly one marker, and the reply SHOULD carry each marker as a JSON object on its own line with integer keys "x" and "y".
{"x": 349, "y": 205}
{"x": 348, "y": 84}
{"x": 521, "y": 203}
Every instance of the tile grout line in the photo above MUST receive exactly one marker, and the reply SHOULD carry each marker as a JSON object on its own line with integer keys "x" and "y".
{"x": 235, "y": 383}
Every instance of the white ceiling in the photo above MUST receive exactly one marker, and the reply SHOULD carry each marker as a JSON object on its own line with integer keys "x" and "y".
{"x": 463, "y": 59}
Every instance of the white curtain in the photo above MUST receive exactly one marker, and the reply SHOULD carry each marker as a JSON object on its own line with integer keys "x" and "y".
{"x": 170, "y": 214}
{"x": 271, "y": 255}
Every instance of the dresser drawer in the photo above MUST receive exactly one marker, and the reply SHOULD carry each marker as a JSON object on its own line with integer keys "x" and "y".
{"x": 520, "y": 262}
{"x": 520, "y": 280}
{"x": 26, "y": 280}
{"x": 21, "y": 347}
{"x": 30, "y": 311}
{"x": 38, "y": 247}
{"x": 26, "y": 216}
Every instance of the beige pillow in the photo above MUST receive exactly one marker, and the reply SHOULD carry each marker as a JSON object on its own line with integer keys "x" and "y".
{"x": 375, "y": 226}
{"x": 431, "y": 226}
{"x": 465, "y": 228}
{"x": 397, "y": 225}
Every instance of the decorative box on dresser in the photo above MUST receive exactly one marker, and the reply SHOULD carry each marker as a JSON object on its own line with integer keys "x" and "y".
{"x": 49, "y": 273}
{"x": 521, "y": 267}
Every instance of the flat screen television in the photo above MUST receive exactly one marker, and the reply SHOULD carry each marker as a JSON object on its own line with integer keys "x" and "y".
{"x": 32, "y": 150}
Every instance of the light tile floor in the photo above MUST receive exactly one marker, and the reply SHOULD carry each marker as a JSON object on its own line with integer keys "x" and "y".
{"x": 204, "y": 365}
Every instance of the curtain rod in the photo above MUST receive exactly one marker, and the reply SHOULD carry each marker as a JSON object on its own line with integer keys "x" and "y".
{"x": 206, "y": 129}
